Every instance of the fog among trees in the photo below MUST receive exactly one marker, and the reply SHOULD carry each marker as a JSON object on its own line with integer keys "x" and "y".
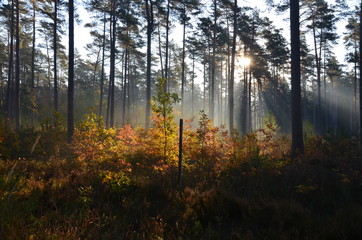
{"x": 230, "y": 61}
{"x": 183, "y": 119}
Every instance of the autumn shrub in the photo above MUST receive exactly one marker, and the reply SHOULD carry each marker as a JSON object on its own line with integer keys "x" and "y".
{"x": 142, "y": 149}
{"x": 95, "y": 146}
{"x": 153, "y": 150}
{"x": 208, "y": 148}
{"x": 164, "y": 125}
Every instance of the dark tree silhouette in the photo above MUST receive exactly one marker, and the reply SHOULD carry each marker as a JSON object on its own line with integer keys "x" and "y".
{"x": 150, "y": 25}
{"x": 55, "y": 26}
{"x": 232, "y": 69}
{"x": 17, "y": 68}
{"x": 112, "y": 65}
{"x": 360, "y": 75}
{"x": 297, "y": 126}
{"x": 71, "y": 73}
{"x": 8, "y": 101}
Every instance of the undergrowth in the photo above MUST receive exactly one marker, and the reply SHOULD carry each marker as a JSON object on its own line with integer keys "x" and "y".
{"x": 120, "y": 184}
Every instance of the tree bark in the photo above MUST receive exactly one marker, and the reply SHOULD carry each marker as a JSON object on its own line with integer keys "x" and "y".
{"x": 17, "y": 68}
{"x": 71, "y": 73}
{"x": 125, "y": 87}
{"x": 232, "y": 70}
{"x": 102, "y": 70}
{"x": 167, "y": 33}
{"x": 33, "y": 103}
{"x": 183, "y": 62}
{"x": 112, "y": 65}
{"x": 193, "y": 87}
{"x": 213, "y": 64}
{"x": 297, "y": 126}
{"x": 55, "y": 56}
{"x": 149, "y": 12}
{"x": 360, "y": 76}
{"x": 318, "y": 66}
{"x": 8, "y": 101}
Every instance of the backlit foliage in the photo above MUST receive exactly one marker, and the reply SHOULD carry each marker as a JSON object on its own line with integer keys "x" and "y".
{"x": 120, "y": 184}
{"x": 162, "y": 107}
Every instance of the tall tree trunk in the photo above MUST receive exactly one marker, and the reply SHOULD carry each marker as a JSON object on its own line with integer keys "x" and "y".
{"x": 213, "y": 64}
{"x": 183, "y": 62}
{"x": 17, "y": 68}
{"x": 221, "y": 101}
{"x": 125, "y": 87}
{"x": 360, "y": 76}
{"x": 102, "y": 70}
{"x": 55, "y": 40}
{"x": 9, "y": 97}
{"x": 232, "y": 70}
{"x": 2, "y": 85}
{"x": 244, "y": 103}
{"x": 193, "y": 87}
{"x": 160, "y": 52}
{"x": 95, "y": 69}
{"x": 128, "y": 105}
{"x": 149, "y": 12}
{"x": 167, "y": 42}
{"x": 297, "y": 126}
{"x": 355, "y": 90}
{"x": 249, "y": 103}
{"x": 71, "y": 73}
{"x": 33, "y": 99}
{"x": 319, "y": 101}
{"x": 112, "y": 64}
{"x": 109, "y": 81}
{"x": 204, "y": 84}
{"x": 49, "y": 90}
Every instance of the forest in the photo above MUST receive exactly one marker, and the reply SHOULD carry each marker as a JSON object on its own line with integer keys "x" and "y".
{"x": 183, "y": 119}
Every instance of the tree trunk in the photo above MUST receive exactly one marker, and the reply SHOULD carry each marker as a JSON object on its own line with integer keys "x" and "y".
{"x": 244, "y": 103}
{"x": 319, "y": 101}
{"x": 167, "y": 42}
{"x": 9, "y": 97}
{"x": 204, "y": 84}
{"x": 355, "y": 91}
{"x": 360, "y": 77}
{"x": 213, "y": 64}
{"x": 102, "y": 70}
{"x": 297, "y": 126}
{"x": 125, "y": 88}
{"x": 33, "y": 103}
{"x": 55, "y": 40}
{"x": 249, "y": 128}
{"x": 109, "y": 81}
{"x": 17, "y": 68}
{"x": 149, "y": 12}
{"x": 160, "y": 52}
{"x": 112, "y": 64}
{"x": 232, "y": 70}
{"x": 71, "y": 73}
{"x": 193, "y": 86}
{"x": 183, "y": 62}
{"x": 221, "y": 101}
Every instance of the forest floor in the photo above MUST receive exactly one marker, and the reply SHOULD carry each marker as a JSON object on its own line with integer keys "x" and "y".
{"x": 122, "y": 184}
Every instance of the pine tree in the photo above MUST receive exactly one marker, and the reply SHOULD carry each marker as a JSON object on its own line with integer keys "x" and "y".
{"x": 70, "y": 113}
{"x": 297, "y": 127}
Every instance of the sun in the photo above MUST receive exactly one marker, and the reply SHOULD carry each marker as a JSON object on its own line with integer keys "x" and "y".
{"x": 244, "y": 61}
